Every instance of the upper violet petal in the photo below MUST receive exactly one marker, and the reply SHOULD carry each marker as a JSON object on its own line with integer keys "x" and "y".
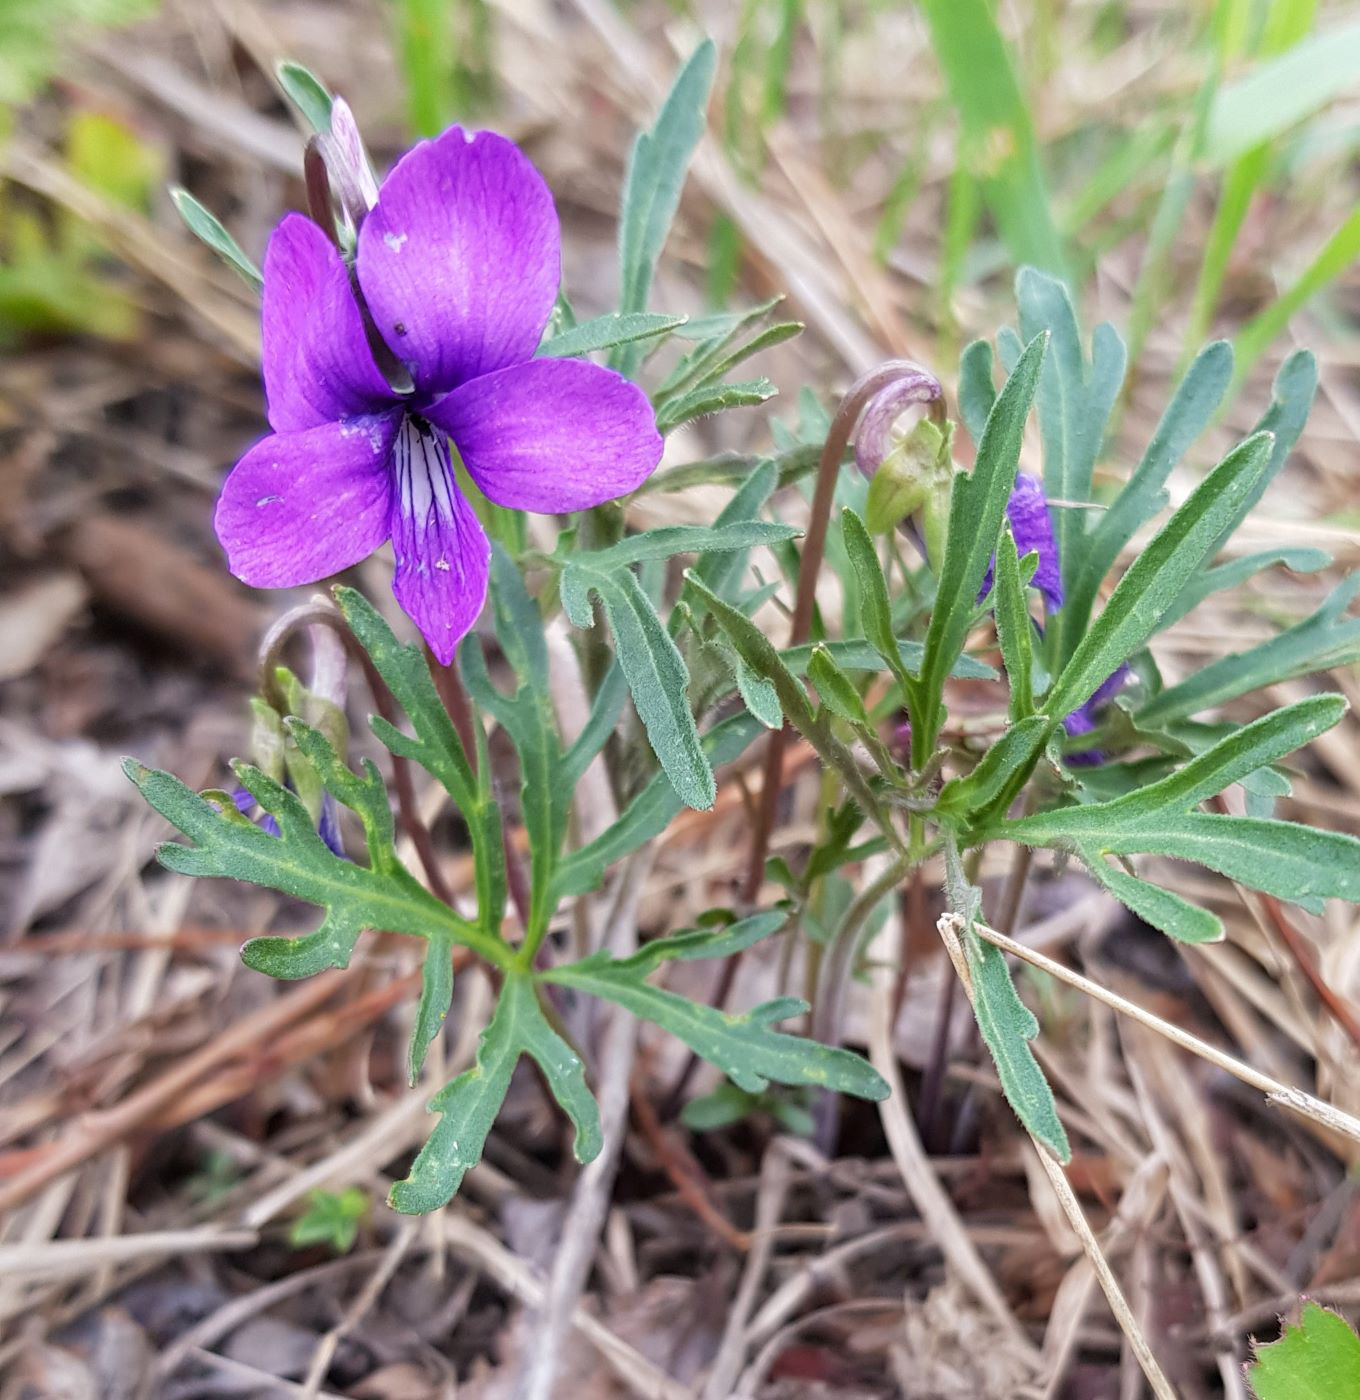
{"x": 460, "y": 259}
{"x": 1027, "y": 511}
{"x": 299, "y": 507}
{"x": 552, "y": 435}
{"x": 317, "y": 364}
{"x": 443, "y": 555}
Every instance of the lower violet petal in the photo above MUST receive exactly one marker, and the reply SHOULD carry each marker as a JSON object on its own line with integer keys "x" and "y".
{"x": 443, "y": 555}
{"x": 552, "y": 435}
{"x": 299, "y": 507}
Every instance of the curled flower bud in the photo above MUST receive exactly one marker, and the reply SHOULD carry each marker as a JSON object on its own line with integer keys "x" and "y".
{"x": 890, "y": 418}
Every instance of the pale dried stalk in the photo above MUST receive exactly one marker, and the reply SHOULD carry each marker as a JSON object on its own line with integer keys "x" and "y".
{"x": 512, "y": 1274}
{"x": 923, "y": 1186}
{"x": 590, "y": 1200}
{"x": 57, "y": 1258}
{"x": 1304, "y": 1104}
{"x": 951, "y": 927}
{"x": 770, "y": 1196}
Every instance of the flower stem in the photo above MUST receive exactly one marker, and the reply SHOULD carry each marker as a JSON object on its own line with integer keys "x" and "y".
{"x": 864, "y": 389}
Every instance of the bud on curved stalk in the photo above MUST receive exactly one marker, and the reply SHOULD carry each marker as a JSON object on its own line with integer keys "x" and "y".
{"x": 908, "y": 458}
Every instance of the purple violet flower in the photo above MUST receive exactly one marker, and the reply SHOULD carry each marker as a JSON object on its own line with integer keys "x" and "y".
{"x": 1083, "y": 719}
{"x": 458, "y": 264}
{"x": 1027, "y": 510}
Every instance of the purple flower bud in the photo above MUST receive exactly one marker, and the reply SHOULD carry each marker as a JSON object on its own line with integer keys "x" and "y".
{"x": 883, "y": 427}
{"x": 347, "y": 164}
{"x": 328, "y": 828}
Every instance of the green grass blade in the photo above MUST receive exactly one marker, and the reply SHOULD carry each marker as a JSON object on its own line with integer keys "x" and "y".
{"x": 996, "y": 126}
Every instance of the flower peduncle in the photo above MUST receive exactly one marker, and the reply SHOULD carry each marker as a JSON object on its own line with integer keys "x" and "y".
{"x": 861, "y": 393}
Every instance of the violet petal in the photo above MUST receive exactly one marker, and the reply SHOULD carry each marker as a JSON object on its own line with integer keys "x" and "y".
{"x": 443, "y": 555}
{"x": 317, "y": 364}
{"x": 1032, "y": 527}
{"x": 552, "y": 435}
{"x": 299, "y": 507}
{"x": 460, "y": 259}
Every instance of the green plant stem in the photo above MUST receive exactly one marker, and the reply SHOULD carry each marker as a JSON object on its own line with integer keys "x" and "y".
{"x": 838, "y": 961}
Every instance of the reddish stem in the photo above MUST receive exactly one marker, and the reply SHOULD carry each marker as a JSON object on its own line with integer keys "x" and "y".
{"x": 866, "y": 388}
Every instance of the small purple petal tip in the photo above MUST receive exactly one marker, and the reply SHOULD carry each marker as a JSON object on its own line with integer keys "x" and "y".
{"x": 874, "y": 437}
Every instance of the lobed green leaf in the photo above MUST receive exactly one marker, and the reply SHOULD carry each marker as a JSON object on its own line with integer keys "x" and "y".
{"x": 469, "y": 1104}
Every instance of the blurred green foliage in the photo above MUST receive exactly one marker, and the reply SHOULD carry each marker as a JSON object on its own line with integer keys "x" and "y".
{"x": 55, "y": 275}
{"x": 33, "y": 31}
{"x": 332, "y": 1218}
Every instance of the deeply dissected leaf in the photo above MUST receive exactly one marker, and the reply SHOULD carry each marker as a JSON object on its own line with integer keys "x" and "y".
{"x": 604, "y": 715}
{"x": 382, "y": 895}
{"x": 712, "y": 398}
{"x": 1330, "y": 637}
{"x": 696, "y": 944}
{"x": 1014, "y": 628}
{"x": 835, "y": 690}
{"x": 759, "y": 653}
{"x": 1317, "y": 1360}
{"x": 646, "y": 650}
{"x": 722, "y": 569}
{"x": 1190, "y": 411}
{"x": 1237, "y": 571}
{"x": 435, "y": 744}
{"x": 469, "y": 1104}
{"x": 977, "y": 393}
{"x": 655, "y": 672}
{"x": 875, "y": 608}
{"x": 527, "y": 717}
{"x": 1074, "y": 399}
{"x": 1291, "y": 862}
{"x": 861, "y": 656}
{"x": 1007, "y": 1027}
{"x": 649, "y": 812}
{"x": 1234, "y": 757}
{"x": 1291, "y": 399}
{"x": 1012, "y": 754}
{"x": 742, "y": 1046}
{"x": 708, "y": 364}
{"x": 436, "y": 996}
{"x": 1174, "y": 916}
